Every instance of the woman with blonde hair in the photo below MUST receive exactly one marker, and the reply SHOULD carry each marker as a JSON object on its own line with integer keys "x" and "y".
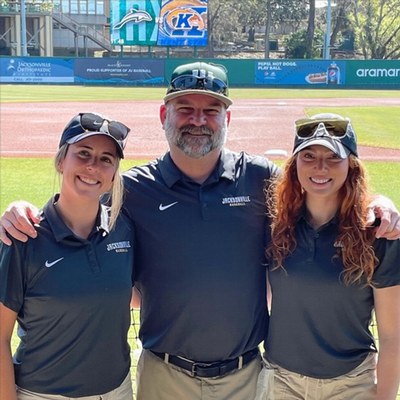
{"x": 328, "y": 273}
{"x": 70, "y": 288}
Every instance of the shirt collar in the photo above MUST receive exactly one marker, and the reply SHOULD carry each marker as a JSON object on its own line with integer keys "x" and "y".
{"x": 302, "y": 217}
{"x": 58, "y": 226}
{"x": 225, "y": 168}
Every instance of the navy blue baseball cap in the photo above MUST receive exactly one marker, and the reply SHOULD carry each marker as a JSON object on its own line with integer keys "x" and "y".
{"x": 84, "y": 125}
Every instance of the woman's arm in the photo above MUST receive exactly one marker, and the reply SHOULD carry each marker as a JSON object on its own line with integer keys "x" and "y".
{"x": 387, "y": 309}
{"x": 7, "y": 378}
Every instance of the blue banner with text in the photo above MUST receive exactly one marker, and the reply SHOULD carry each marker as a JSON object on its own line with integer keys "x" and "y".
{"x": 36, "y": 70}
{"x": 122, "y": 70}
{"x": 290, "y": 72}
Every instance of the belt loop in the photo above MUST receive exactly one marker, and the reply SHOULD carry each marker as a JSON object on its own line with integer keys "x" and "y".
{"x": 240, "y": 364}
{"x": 166, "y": 358}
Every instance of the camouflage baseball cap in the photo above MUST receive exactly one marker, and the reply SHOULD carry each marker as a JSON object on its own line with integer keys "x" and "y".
{"x": 199, "y": 78}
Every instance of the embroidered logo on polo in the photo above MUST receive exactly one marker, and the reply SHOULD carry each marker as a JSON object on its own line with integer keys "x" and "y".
{"x": 48, "y": 264}
{"x": 236, "y": 201}
{"x": 119, "y": 247}
{"x": 161, "y": 207}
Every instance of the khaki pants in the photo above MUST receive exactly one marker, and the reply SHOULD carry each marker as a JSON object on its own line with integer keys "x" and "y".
{"x": 123, "y": 392}
{"x": 157, "y": 380}
{"x": 276, "y": 383}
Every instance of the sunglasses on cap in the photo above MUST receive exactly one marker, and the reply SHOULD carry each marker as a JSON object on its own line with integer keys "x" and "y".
{"x": 186, "y": 82}
{"x": 306, "y": 128}
{"x": 94, "y": 123}
{"x": 338, "y": 128}
{"x": 85, "y": 124}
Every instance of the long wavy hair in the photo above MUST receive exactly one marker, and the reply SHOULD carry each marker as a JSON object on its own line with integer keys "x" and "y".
{"x": 285, "y": 200}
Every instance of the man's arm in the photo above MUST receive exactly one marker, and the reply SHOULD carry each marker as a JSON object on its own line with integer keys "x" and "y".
{"x": 18, "y": 221}
{"x": 19, "y": 217}
{"x": 383, "y": 208}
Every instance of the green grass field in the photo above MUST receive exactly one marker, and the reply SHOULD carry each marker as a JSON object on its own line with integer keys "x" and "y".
{"x": 34, "y": 179}
{"x": 24, "y": 93}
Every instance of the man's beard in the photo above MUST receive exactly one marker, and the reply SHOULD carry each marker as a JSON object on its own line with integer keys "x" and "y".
{"x": 191, "y": 145}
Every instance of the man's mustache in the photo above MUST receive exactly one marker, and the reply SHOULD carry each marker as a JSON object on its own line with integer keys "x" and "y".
{"x": 204, "y": 130}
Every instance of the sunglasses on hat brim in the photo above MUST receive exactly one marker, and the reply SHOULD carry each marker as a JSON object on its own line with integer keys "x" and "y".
{"x": 94, "y": 123}
{"x": 187, "y": 82}
{"x": 339, "y": 129}
{"x": 306, "y": 128}
{"x": 87, "y": 123}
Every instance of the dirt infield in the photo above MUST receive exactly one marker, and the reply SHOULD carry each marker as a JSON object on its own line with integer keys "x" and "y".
{"x": 257, "y": 125}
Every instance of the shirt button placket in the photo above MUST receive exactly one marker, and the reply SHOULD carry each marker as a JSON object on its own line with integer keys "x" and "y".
{"x": 205, "y": 211}
{"x": 92, "y": 259}
{"x": 313, "y": 245}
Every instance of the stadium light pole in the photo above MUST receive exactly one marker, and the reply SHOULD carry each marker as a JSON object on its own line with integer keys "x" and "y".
{"x": 24, "y": 49}
{"x": 327, "y": 53}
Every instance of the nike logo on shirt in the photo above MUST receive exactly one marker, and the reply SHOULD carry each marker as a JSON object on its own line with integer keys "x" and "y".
{"x": 50, "y": 264}
{"x": 162, "y": 208}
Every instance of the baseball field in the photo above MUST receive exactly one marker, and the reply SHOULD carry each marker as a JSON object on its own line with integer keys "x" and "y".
{"x": 33, "y": 117}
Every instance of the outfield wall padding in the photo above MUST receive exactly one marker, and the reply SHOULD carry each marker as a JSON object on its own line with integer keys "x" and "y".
{"x": 343, "y": 74}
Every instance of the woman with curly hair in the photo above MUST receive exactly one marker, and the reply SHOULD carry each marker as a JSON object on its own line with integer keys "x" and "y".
{"x": 328, "y": 273}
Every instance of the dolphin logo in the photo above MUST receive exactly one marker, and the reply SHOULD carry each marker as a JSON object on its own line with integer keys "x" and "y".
{"x": 135, "y": 16}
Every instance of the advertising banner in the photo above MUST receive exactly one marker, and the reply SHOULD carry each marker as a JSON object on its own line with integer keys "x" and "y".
{"x": 373, "y": 72}
{"x": 183, "y": 23}
{"x": 134, "y": 22}
{"x": 36, "y": 70}
{"x": 125, "y": 70}
{"x": 295, "y": 72}
{"x": 158, "y": 22}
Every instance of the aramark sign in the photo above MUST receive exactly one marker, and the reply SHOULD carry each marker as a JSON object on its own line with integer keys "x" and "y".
{"x": 373, "y": 72}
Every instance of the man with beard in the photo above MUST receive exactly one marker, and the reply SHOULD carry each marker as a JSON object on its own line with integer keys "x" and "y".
{"x": 199, "y": 213}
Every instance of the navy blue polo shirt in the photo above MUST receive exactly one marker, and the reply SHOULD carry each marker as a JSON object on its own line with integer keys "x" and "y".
{"x": 199, "y": 256}
{"x": 319, "y": 326}
{"x": 72, "y": 297}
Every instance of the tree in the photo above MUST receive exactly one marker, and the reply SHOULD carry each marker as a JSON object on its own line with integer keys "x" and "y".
{"x": 43, "y": 5}
{"x": 377, "y": 27}
{"x": 297, "y": 44}
{"x": 340, "y": 19}
{"x": 279, "y": 11}
{"x": 222, "y": 23}
{"x": 225, "y": 16}
{"x": 310, "y": 30}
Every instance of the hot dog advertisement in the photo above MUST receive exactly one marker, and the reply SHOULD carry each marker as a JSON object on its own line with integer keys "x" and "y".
{"x": 316, "y": 78}
{"x": 300, "y": 72}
